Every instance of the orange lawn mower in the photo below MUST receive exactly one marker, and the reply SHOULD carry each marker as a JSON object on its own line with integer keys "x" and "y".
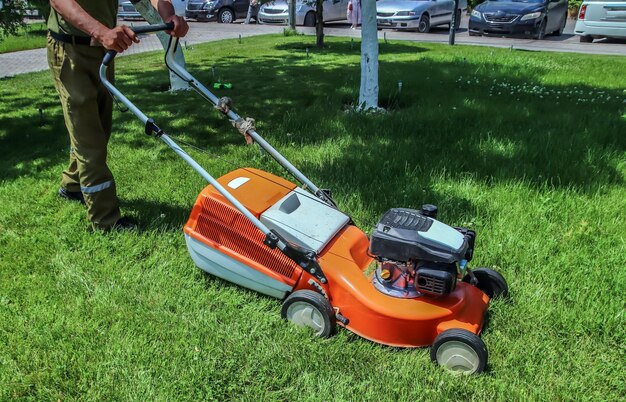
{"x": 260, "y": 231}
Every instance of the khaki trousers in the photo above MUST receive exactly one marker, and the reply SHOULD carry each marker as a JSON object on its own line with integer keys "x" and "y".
{"x": 88, "y": 113}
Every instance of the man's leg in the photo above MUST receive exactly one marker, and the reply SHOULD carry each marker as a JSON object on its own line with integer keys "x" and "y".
{"x": 69, "y": 177}
{"x": 88, "y": 120}
{"x": 56, "y": 54}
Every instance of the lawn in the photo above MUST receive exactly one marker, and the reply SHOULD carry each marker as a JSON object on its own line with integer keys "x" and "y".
{"x": 528, "y": 149}
{"x": 32, "y": 36}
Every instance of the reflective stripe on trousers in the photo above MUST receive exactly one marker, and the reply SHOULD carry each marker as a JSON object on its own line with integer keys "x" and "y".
{"x": 97, "y": 187}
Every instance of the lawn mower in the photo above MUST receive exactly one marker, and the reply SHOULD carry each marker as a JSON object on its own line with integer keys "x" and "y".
{"x": 265, "y": 233}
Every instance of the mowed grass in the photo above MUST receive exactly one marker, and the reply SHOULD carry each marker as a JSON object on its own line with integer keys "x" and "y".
{"x": 528, "y": 149}
{"x": 32, "y": 36}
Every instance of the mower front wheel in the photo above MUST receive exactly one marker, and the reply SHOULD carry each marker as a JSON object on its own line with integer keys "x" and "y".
{"x": 307, "y": 308}
{"x": 459, "y": 351}
{"x": 491, "y": 282}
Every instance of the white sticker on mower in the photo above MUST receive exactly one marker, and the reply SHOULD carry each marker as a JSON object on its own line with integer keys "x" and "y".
{"x": 238, "y": 182}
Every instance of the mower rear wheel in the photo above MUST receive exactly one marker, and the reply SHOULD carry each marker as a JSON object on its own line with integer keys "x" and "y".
{"x": 490, "y": 282}
{"x": 310, "y": 309}
{"x": 459, "y": 351}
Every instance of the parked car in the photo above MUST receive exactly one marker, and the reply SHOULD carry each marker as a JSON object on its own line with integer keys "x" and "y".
{"x": 224, "y": 11}
{"x": 420, "y": 15}
{"x": 127, "y": 11}
{"x": 601, "y": 19}
{"x": 276, "y": 12}
{"x": 528, "y": 18}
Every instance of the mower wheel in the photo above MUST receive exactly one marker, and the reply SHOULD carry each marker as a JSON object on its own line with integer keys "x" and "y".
{"x": 459, "y": 351}
{"x": 307, "y": 308}
{"x": 490, "y": 282}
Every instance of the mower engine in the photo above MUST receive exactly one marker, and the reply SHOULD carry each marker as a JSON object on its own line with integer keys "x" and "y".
{"x": 417, "y": 254}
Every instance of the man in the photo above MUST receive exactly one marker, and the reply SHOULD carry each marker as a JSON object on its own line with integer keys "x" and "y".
{"x": 80, "y": 33}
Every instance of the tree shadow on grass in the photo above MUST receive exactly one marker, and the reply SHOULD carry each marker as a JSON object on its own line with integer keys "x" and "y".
{"x": 352, "y": 47}
{"x": 32, "y": 132}
{"x": 436, "y": 125}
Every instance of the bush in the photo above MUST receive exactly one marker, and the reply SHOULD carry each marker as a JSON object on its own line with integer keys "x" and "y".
{"x": 573, "y": 7}
{"x": 42, "y": 6}
{"x": 11, "y": 17}
{"x": 291, "y": 32}
{"x": 471, "y": 4}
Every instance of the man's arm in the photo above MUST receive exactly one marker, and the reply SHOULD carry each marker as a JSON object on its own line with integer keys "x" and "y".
{"x": 118, "y": 38}
{"x": 167, "y": 12}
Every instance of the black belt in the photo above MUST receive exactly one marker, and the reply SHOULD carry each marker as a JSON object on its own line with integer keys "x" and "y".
{"x": 75, "y": 40}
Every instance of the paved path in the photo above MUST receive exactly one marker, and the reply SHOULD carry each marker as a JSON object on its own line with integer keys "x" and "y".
{"x": 35, "y": 60}
{"x": 29, "y": 61}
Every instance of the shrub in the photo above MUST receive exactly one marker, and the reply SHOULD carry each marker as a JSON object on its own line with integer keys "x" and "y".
{"x": 291, "y": 32}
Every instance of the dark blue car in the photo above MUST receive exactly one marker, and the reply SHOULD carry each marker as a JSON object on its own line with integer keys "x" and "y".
{"x": 527, "y": 18}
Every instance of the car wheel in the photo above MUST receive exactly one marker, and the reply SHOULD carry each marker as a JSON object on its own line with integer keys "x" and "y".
{"x": 586, "y": 39}
{"x": 309, "y": 309}
{"x": 459, "y": 351}
{"x": 424, "y": 24}
{"x": 457, "y": 20}
{"x": 541, "y": 32}
{"x": 309, "y": 19}
{"x": 225, "y": 16}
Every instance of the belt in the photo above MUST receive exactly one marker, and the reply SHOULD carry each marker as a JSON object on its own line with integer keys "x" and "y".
{"x": 75, "y": 40}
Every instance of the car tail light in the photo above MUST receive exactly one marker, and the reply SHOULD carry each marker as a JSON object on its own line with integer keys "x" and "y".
{"x": 583, "y": 10}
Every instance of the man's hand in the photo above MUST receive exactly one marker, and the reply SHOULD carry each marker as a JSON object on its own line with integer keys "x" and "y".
{"x": 180, "y": 26}
{"x": 118, "y": 38}
{"x": 168, "y": 14}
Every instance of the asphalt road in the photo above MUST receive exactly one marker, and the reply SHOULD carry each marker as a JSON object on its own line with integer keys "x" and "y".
{"x": 568, "y": 42}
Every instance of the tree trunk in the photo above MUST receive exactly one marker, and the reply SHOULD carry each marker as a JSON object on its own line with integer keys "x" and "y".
{"x": 151, "y": 15}
{"x": 368, "y": 93}
{"x": 292, "y": 14}
{"x": 319, "y": 23}
{"x": 453, "y": 23}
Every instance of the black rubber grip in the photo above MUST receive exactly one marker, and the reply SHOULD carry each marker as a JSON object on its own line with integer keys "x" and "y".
{"x": 108, "y": 58}
{"x": 153, "y": 28}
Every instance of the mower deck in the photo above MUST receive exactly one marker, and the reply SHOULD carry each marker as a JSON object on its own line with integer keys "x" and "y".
{"x": 224, "y": 243}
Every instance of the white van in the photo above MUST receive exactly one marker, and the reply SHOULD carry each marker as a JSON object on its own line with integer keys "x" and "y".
{"x": 601, "y": 19}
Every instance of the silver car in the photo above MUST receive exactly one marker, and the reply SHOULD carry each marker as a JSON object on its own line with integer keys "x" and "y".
{"x": 276, "y": 12}
{"x": 127, "y": 11}
{"x": 601, "y": 19}
{"x": 419, "y": 15}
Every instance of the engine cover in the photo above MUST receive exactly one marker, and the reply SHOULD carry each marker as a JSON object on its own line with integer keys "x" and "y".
{"x": 404, "y": 234}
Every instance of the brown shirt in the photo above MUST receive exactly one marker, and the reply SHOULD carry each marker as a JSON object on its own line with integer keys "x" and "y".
{"x": 104, "y": 11}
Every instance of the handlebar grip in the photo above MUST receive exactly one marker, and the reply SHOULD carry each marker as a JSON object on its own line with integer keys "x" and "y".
{"x": 110, "y": 55}
{"x": 108, "y": 58}
{"x": 153, "y": 28}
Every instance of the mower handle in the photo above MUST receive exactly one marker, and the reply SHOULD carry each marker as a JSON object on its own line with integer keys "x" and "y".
{"x": 108, "y": 58}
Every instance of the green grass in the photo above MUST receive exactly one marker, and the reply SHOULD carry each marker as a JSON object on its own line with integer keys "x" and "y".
{"x": 32, "y": 36}
{"x": 527, "y": 148}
